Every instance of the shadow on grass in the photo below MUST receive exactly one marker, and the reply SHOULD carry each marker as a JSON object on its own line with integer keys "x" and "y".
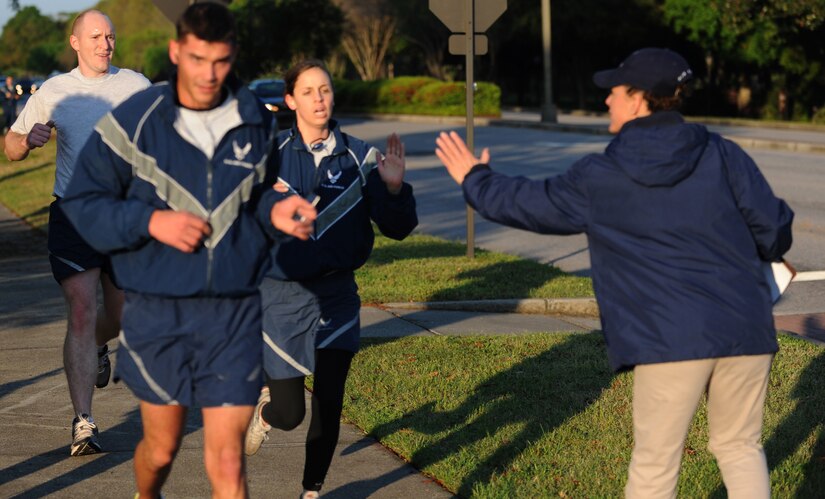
{"x": 517, "y": 278}
{"x": 499, "y": 280}
{"x": 540, "y": 393}
{"x": 25, "y": 171}
{"x": 40, "y": 211}
{"x": 798, "y": 427}
{"x": 411, "y": 248}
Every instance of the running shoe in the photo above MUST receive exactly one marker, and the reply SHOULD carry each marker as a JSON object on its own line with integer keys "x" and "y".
{"x": 104, "y": 367}
{"x": 256, "y": 434}
{"x": 84, "y": 436}
{"x": 310, "y": 494}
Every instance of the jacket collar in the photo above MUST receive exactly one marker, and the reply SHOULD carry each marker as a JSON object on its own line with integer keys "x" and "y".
{"x": 248, "y": 104}
{"x": 658, "y": 118}
{"x": 298, "y": 141}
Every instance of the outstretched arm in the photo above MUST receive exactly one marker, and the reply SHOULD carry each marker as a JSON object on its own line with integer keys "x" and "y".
{"x": 459, "y": 160}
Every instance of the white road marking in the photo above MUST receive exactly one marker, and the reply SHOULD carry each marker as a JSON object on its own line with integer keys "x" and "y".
{"x": 817, "y": 275}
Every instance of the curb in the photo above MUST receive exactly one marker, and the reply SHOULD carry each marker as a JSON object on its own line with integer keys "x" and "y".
{"x": 574, "y": 307}
{"x": 776, "y": 145}
{"x": 808, "y": 147}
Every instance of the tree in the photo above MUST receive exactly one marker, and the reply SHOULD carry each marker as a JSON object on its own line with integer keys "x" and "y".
{"x": 423, "y": 38}
{"x": 28, "y": 31}
{"x": 366, "y": 43}
{"x": 274, "y": 34}
{"x": 777, "y": 43}
{"x": 141, "y": 29}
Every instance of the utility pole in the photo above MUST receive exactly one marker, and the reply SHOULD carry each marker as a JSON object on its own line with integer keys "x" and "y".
{"x": 548, "y": 109}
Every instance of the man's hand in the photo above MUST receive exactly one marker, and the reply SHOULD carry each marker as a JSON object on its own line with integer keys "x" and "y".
{"x": 391, "y": 167}
{"x": 459, "y": 160}
{"x": 179, "y": 229}
{"x": 294, "y": 216}
{"x": 39, "y": 135}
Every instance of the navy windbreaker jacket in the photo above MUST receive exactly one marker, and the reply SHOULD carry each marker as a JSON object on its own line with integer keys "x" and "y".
{"x": 136, "y": 162}
{"x": 352, "y": 194}
{"x": 678, "y": 221}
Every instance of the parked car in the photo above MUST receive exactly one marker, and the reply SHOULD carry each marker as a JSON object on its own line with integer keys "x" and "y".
{"x": 25, "y": 88}
{"x": 271, "y": 92}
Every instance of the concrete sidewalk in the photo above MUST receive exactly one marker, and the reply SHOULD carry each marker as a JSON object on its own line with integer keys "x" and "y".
{"x": 36, "y": 413}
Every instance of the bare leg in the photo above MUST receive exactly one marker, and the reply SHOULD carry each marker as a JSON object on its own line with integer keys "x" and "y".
{"x": 224, "y": 429}
{"x": 108, "y": 318}
{"x": 79, "y": 349}
{"x": 162, "y": 433}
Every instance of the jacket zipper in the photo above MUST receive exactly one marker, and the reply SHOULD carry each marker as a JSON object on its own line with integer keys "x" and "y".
{"x": 209, "y": 250}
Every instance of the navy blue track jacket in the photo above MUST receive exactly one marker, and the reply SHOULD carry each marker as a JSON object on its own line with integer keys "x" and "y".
{"x": 352, "y": 193}
{"x": 136, "y": 162}
{"x": 678, "y": 221}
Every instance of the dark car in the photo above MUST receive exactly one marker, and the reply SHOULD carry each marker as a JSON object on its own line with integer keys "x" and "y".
{"x": 25, "y": 88}
{"x": 271, "y": 93}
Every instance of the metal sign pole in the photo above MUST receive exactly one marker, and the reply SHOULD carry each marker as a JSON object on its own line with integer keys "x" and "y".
{"x": 470, "y": 53}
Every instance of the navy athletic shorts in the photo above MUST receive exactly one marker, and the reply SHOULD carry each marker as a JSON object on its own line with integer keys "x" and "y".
{"x": 299, "y": 317}
{"x": 191, "y": 351}
{"x": 68, "y": 252}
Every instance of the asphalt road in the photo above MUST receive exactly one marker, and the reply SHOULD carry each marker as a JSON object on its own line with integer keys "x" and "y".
{"x": 799, "y": 178}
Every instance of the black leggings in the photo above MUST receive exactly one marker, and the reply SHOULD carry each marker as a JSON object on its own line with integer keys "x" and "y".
{"x": 287, "y": 409}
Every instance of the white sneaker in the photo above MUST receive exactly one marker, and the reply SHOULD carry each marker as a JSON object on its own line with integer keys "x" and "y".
{"x": 84, "y": 436}
{"x": 310, "y": 494}
{"x": 256, "y": 433}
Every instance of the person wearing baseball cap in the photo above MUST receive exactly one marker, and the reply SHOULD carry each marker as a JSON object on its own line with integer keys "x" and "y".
{"x": 679, "y": 222}
{"x": 660, "y": 74}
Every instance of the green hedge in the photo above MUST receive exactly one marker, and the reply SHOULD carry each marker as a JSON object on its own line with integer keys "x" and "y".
{"x": 415, "y": 95}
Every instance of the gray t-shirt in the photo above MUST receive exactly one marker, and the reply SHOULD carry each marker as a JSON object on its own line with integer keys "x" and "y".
{"x": 205, "y": 129}
{"x": 75, "y": 103}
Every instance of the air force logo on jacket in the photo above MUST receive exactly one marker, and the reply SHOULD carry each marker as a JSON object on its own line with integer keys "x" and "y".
{"x": 240, "y": 155}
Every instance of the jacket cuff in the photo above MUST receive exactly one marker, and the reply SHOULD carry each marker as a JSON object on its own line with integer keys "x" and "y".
{"x": 477, "y": 168}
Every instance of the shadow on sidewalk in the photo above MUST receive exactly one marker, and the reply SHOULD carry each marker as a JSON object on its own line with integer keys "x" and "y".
{"x": 126, "y": 434}
{"x": 119, "y": 441}
{"x": 13, "y": 386}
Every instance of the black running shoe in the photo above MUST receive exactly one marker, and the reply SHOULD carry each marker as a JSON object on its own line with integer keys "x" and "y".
{"x": 104, "y": 367}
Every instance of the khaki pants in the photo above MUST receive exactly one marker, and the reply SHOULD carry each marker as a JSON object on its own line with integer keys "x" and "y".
{"x": 665, "y": 398}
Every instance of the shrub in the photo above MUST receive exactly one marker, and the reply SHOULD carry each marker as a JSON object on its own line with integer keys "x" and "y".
{"x": 415, "y": 95}
{"x": 400, "y": 91}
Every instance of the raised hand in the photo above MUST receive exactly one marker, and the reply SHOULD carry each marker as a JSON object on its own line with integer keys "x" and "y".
{"x": 179, "y": 229}
{"x": 391, "y": 167}
{"x": 459, "y": 160}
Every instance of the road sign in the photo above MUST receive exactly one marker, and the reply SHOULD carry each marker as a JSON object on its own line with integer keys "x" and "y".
{"x": 172, "y": 9}
{"x": 458, "y": 44}
{"x": 468, "y": 20}
{"x": 453, "y": 13}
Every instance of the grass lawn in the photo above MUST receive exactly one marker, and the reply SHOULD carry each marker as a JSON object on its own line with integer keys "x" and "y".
{"x": 26, "y": 186}
{"x": 543, "y": 416}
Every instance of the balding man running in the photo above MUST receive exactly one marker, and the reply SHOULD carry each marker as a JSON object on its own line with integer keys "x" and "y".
{"x": 72, "y": 103}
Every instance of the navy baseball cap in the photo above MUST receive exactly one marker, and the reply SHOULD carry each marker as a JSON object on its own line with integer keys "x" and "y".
{"x": 658, "y": 71}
